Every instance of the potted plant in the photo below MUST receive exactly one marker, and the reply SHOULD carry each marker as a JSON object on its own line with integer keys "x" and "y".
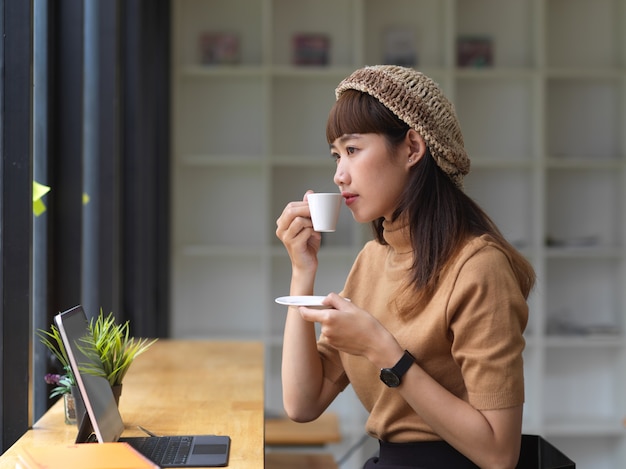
{"x": 109, "y": 341}
{"x": 64, "y": 383}
{"x": 114, "y": 346}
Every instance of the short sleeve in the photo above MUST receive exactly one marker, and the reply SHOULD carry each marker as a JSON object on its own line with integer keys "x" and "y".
{"x": 488, "y": 316}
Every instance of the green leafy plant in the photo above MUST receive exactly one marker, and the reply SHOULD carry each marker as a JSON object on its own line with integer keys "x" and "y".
{"x": 52, "y": 340}
{"x": 109, "y": 341}
{"x": 114, "y": 346}
{"x": 62, "y": 384}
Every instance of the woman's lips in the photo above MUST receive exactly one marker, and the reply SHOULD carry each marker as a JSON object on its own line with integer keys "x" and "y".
{"x": 349, "y": 198}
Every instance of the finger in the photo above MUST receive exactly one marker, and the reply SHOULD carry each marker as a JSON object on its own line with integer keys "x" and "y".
{"x": 301, "y": 228}
{"x": 293, "y": 212}
{"x": 307, "y": 193}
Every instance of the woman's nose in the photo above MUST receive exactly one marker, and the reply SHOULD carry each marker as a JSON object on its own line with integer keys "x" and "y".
{"x": 340, "y": 177}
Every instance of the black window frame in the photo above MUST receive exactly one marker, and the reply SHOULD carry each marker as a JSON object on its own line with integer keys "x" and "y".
{"x": 123, "y": 266}
{"x": 16, "y": 222}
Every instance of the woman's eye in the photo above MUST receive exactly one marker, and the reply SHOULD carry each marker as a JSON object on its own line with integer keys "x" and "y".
{"x": 336, "y": 156}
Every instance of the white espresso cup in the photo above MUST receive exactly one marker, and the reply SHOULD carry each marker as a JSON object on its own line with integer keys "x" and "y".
{"x": 324, "y": 207}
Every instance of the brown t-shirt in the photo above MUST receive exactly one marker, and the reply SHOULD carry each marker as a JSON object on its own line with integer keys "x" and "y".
{"x": 469, "y": 337}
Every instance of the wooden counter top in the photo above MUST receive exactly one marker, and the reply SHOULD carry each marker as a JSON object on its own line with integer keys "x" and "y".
{"x": 182, "y": 387}
{"x": 284, "y": 432}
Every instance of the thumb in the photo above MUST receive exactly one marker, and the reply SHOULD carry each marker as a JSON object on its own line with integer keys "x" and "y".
{"x": 310, "y": 314}
{"x": 333, "y": 300}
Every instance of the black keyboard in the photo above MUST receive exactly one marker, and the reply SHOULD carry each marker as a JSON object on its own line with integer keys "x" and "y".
{"x": 162, "y": 450}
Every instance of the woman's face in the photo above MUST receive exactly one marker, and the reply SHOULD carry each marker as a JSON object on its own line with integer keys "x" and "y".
{"x": 370, "y": 178}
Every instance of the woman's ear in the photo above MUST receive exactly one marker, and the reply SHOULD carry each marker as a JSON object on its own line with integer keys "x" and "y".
{"x": 416, "y": 147}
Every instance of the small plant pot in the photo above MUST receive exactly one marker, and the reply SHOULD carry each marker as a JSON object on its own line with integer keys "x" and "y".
{"x": 117, "y": 392}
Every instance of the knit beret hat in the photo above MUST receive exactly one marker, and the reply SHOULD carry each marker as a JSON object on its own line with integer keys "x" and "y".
{"x": 419, "y": 102}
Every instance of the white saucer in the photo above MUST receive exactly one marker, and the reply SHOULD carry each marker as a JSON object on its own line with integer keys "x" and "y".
{"x": 308, "y": 301}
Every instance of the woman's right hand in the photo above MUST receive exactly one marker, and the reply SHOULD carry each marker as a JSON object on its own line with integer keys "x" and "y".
{"x": 295, "y": 229}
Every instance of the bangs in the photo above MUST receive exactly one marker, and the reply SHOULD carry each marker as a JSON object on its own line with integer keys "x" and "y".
{"x": 359, "y": 113}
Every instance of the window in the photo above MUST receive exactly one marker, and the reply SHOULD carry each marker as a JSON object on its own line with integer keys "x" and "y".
{"x": 95, "y": 123}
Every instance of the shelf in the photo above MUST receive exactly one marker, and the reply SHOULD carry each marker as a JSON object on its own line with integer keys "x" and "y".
{"x": 205, "y": 119}
{"x": 579, "y": 386}
{"x": 303, "y": 101}
{"x": 584, "y": 252}
{"x": 599, "y": 341}
{"x": 512, "y": 34}
{"x": 518, "y": 162}
{"x": 584, "y": 74}
{"x": 310, "y": 71}
{"x": 198, "y": 18}
{"x": 421, "y": 17}
{"x": 216, "y": 194}
{"x": 585, "y": 427}
{"x": 200, "y": 250}
{"x": 543, "y": 126}
{"x": 484, "y": 103}
{"x": 299, "y": 161}
{"x": 586, "y": 162}
{"x": 494, "y": 74}
{"x": 206, "y": 72}
{"x": 326, "y": 252}
{"x": 221, "y": 160}
{"x": 218, "y": 297}
{"x": 330, "y": 17}
{"x": 596, "y": 103}
{"x": 601, "y": 20}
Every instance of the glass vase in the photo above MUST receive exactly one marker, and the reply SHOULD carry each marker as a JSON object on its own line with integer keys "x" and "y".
{"x": 69, "y": 404}
{"x": 79, "y": 406}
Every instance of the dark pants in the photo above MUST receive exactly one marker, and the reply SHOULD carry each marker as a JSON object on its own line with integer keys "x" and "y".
{"x": 422, "y": 455}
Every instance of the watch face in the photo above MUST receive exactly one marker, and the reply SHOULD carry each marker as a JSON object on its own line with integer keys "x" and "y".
{"x": 388, "y": 377}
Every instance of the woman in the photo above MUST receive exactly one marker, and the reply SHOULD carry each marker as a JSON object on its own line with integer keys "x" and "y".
{"x": 432, "y": 338}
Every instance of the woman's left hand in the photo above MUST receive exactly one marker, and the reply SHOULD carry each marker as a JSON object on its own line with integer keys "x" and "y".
{"x": 349, "y": 328}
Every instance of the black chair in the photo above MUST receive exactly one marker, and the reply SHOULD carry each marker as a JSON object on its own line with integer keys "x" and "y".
{"x": 537, "y": 453}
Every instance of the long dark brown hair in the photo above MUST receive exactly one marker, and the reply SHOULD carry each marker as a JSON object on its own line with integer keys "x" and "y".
{"x": 441, "y": 217}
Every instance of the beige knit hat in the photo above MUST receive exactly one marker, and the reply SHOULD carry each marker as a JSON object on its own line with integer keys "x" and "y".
{"x": 419, "y": 102}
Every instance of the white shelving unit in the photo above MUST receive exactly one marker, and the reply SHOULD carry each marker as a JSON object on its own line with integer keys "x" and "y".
{"x": 544, "y": 127}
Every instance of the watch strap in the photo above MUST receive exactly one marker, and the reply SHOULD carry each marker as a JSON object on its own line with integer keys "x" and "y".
{"x": 403, "y": 364}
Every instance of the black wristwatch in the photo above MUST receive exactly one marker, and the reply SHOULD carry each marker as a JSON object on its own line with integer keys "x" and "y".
{"x": 392, "y": 376}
